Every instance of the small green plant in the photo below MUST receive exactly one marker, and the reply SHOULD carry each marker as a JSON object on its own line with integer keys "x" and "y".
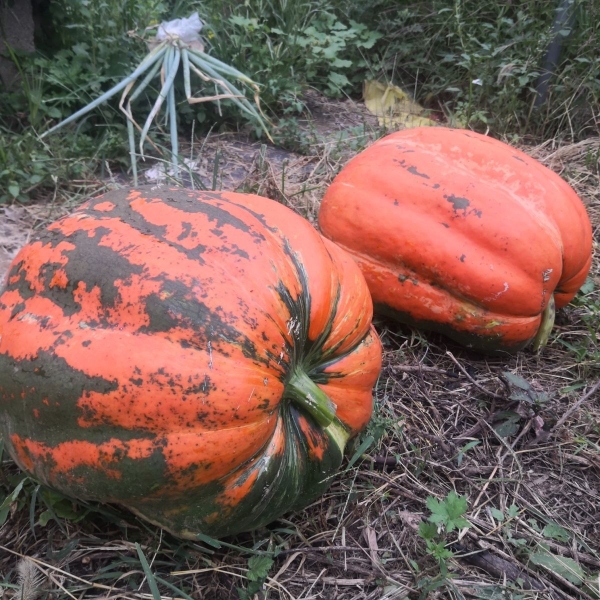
{"x": 538, "y": 552}
{"x": 462, "y": 451}
{"x": 446, "y": 516}
{"x": 258, "y": 570}
{"x": 290, "y": 135}
{"x": 530, "y": 402}
{"x": 26, "y": 165}
{"x": 520, "y": 390}
{"x": 586, "y": 349}
{"x": 505, "y": 520}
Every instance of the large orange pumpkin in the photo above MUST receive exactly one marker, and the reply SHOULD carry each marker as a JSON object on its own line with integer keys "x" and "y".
{"x": 461, "y": 234}
{"x": 200, "y": 358}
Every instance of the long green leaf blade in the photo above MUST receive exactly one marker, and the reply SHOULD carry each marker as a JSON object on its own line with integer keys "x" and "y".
{"x": 241, "y": 102}
{"x": 174, "y": 588}
{"x": 132, "y": 154}
{"x": 146, "y": 81}
{"x": 171, "y": 63}
{"x": 186, "y": 73}
{"x": 173, "y": 130}
{"x": 5, "y": 506}
{"x": 221, "y": 66}
{"x": 148, "y": 573}
{"x": 144, "y": 65}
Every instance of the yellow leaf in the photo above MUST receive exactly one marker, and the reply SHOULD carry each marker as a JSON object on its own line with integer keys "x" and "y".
{"x": 393, "y": 107}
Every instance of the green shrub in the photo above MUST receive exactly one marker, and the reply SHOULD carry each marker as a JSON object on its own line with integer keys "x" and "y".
{"x": 83, "y": 50}
{"x": 480, "y": 62}
{"x": 286, "y": 46}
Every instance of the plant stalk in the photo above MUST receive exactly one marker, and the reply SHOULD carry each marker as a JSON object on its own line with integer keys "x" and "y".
{"x": 303, "y": 391}
{"x": 541, "y": 338}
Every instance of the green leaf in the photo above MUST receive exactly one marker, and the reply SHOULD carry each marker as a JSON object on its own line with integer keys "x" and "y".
{"x": 534, "y": 525}
{"x": 5, "y": 506}
{"x": 448, "y": 512}
{"x": 361, "y": 449}
{"x": 369, "y": 40}
{"x": 415, "y": 565}
{"x": 588, "y": 287}
{"x": 81, "y": 50}
{"x": 464, "y": 449}
{"x": 497, "y": 514}
{"x": 35, "y": 178}
{"x": 517, "y": 542}
{"x": 148, "y": 573}
{"x": 65, "y": 510}
{"x": 65, "y": 551}
{"x": 507, "y": 428}
{"x": 438, "y": 550}
{"x": 341, "y": 64}
{"x": 571, "y": 388}
{"x": 427, "y": 530}
{"x": 562, "y": 565}
{"x": 242, "y": 21}
{"x": 339, "y": 79}
{"x": 556, "y": 532}
{"x": 338, "y": 25}
{"x": 523, "y": 392}
{"x": 208, "y": 540}
{"x": 54, "y": 113}
{"x": 516, "y": 380}
{"x": 13, "y": 190}
{"x": 45, "y": 518}
{"x": 592, "y": 586}
{"x": 258, "y": 567}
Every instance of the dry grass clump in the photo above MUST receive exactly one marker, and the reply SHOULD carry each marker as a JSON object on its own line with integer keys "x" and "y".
{"x": 524, "y": 470}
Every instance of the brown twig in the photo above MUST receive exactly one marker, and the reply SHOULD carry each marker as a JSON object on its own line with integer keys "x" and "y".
{"x": 575, "y": 406}
{"x": 546, "y": 435}
{"x": 475, "y": 383}
{"x": 499, "y": 567}
{"x": 422, "y": 369}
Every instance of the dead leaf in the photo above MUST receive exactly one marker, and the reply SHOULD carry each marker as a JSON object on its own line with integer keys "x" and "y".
{"x": 410, "y": 519}
{"x": 371, "y": 537}
{"x": 393, "y": 107}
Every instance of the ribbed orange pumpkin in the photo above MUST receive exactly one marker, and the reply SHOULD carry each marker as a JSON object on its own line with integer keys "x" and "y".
{"x": 198, "y": 357}
{"x": 462, "y": 234}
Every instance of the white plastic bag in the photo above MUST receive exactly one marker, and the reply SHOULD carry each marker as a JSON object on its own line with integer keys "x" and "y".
{"x": 187, "y": 30}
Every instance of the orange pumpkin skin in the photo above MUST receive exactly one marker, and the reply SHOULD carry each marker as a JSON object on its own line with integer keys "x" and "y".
{"x": 459, "y": 233}
{"x": 156, "y": 347}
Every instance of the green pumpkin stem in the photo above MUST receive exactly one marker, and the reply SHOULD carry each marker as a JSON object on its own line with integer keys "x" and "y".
{"x": 541, "y": 338}
{"x": 303, "y": 391}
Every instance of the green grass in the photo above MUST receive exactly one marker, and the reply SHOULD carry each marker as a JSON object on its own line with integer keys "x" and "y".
{"x": 474, "y": 64}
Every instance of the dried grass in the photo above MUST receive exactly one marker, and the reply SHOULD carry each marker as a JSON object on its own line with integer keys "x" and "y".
{"x": 360, "y": 540}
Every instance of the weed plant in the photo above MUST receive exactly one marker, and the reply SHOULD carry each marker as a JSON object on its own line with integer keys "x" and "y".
{"x": 84, "y": 48}
{"x": 481, "y": 62}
